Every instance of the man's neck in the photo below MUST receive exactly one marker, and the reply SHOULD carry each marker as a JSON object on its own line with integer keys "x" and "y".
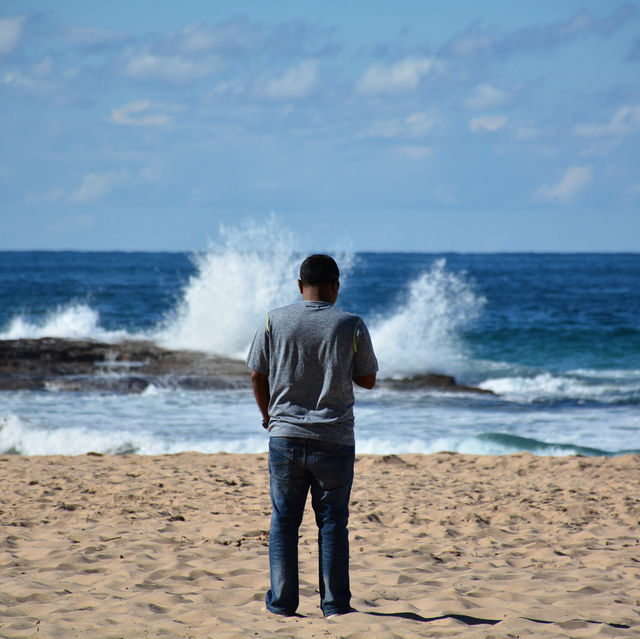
{"x": 319, "y": 293}
{"x": 314, "y": 296}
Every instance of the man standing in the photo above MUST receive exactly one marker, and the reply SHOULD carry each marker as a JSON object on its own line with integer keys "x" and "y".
{"x": 304, "y": 362}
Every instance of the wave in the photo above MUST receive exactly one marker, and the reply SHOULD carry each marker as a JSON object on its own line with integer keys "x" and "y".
{"x": 501, "y": 443}
{"x": 72, "y": 321}
{"x": 423, "y": 333}
{"x": 252, "y": 269}
{"x": 481, "y": 444}
{"x": 610, "y": 387}
{"x": 21, "y": 436}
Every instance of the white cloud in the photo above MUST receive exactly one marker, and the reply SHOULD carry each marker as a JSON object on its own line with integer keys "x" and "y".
{"x": 139, "y": 113}
{"x": 574, "y": 180}
{"x": 196, "y": 37}
{"x": 486, "y": 96}
{"x": 38, "y": 77}
{"x": 235, "y": 35}
{"x": 171, "y": 68}
{"x": 625, "y": 120}
{"x": 415, "y": 125}
{"x": 10, "y": 33}
{"x": 97, "y": 185}
{"x": 17, "y": 79}
{"x": 296, "y": 82}
{"x": 488, "y": 123}
{"x": 401, "y": 77}
{"x": 420, "y": 123}
{"x": 385, "y": 129}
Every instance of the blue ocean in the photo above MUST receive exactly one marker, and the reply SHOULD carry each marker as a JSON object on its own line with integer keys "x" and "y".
{"x": 555, "y": 337}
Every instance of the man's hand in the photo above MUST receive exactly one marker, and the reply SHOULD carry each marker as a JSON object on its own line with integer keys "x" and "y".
{"x": 260, "y": 384}
{"x": 366, "y": 381}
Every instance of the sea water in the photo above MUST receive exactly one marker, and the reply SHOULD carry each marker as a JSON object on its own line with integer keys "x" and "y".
{"x": 556, "y": 337}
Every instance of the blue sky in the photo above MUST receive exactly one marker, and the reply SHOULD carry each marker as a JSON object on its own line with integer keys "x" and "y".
{"x": 418, "y": 126}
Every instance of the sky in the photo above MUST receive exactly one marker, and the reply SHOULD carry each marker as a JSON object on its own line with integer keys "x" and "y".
{"x": 387, "y": 126}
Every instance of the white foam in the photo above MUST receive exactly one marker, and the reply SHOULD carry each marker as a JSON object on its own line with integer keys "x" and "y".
{"x": 72, "y": 321}
{"x": 18, "y": 435}
{"x": 252, "y": 270}
{"x": 423, "y": 333}
{"x": 550, "y": 386}
{"x": 24, "y": 437}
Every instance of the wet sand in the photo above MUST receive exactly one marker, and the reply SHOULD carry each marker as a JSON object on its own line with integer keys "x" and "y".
{"x": 442, "y": 545}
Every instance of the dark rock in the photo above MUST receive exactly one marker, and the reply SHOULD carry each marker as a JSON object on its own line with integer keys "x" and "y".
{"x": 128, "y": 367}
{"x": 433, "y": 381}
{"x": 132, "y": 366}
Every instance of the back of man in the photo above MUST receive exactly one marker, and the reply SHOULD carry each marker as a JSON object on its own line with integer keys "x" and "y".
{"x": 304, "y": 362}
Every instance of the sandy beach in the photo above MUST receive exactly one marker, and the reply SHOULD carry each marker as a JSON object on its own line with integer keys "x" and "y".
{"x": 443, "y": 545}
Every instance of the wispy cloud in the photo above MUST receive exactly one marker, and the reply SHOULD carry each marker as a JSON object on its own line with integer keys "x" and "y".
{"x": 35, "y": 78}
{"x": 415, "y": 125}
{"x": 401, "y": 77}
{"x": 140, "y": 113}
{"x": 572, "y": 182}
{"x": 95, "y": 186}
{"x": 488, "y": 123}
{"x": 10, "y": 33}
{"x": 229, "y": 37}
{"x": 177, "y": 69}
{"x": 485, "y": 96}
{"x": 296, "y": 82}
{"x": 625, "y": 120}
{"x": 94, "y": 38}
{"x": 478, "y": 40}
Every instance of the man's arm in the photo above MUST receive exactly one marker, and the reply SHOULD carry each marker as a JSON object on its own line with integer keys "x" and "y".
{"x": 260, "y": 384}
{"x": 366, "y": 381}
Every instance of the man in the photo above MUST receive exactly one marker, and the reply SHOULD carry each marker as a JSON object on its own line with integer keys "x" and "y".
{"x": 304, "y": 362}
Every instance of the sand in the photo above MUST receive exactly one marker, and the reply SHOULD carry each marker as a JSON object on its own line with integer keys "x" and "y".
{"x": 443, "y": 545}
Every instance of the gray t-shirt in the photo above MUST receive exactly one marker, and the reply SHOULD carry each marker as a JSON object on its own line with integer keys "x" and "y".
{"x": 311, "y": 351}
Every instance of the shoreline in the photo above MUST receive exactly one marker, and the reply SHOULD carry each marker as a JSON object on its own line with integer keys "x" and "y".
{"x": 442, "y": 544}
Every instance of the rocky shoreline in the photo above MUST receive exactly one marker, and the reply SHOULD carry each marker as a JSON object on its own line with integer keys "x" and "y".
{"x": 132, "y": 366}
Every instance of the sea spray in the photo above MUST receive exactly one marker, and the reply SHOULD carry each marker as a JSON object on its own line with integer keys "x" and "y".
{"x": 252, "y": 269}
{"x": 423, "y": 333}
{"x": 73, "y": 321}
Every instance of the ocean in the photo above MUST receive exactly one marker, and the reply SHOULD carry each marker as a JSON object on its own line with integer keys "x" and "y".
{"x": 556, "y": 337}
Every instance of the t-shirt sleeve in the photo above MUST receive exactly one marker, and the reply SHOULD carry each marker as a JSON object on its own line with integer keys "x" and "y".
{"x": 258, "y": 356}
{"x": 364, "y": 362}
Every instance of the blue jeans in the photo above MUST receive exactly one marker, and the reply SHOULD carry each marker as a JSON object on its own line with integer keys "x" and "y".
{"x": 295, "y": 465}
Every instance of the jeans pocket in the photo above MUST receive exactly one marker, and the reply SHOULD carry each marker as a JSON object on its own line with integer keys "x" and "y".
{"x": 280, "y": 459}
{"x": 334, "y": 470}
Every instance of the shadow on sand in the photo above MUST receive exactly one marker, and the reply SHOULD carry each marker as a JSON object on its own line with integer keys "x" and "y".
{"x": 477, "y": 621}
{"x": 470, "y": 621}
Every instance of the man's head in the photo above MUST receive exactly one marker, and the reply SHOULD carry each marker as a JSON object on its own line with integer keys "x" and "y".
{"x": 319, "y": 269}
{"x": 319, "y": 278}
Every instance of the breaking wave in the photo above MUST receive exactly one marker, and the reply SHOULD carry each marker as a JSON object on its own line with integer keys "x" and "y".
{"x": 423, "y": 333}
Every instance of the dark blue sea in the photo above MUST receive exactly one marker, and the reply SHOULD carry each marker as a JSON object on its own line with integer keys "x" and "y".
{"x": 556, "y": 337}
